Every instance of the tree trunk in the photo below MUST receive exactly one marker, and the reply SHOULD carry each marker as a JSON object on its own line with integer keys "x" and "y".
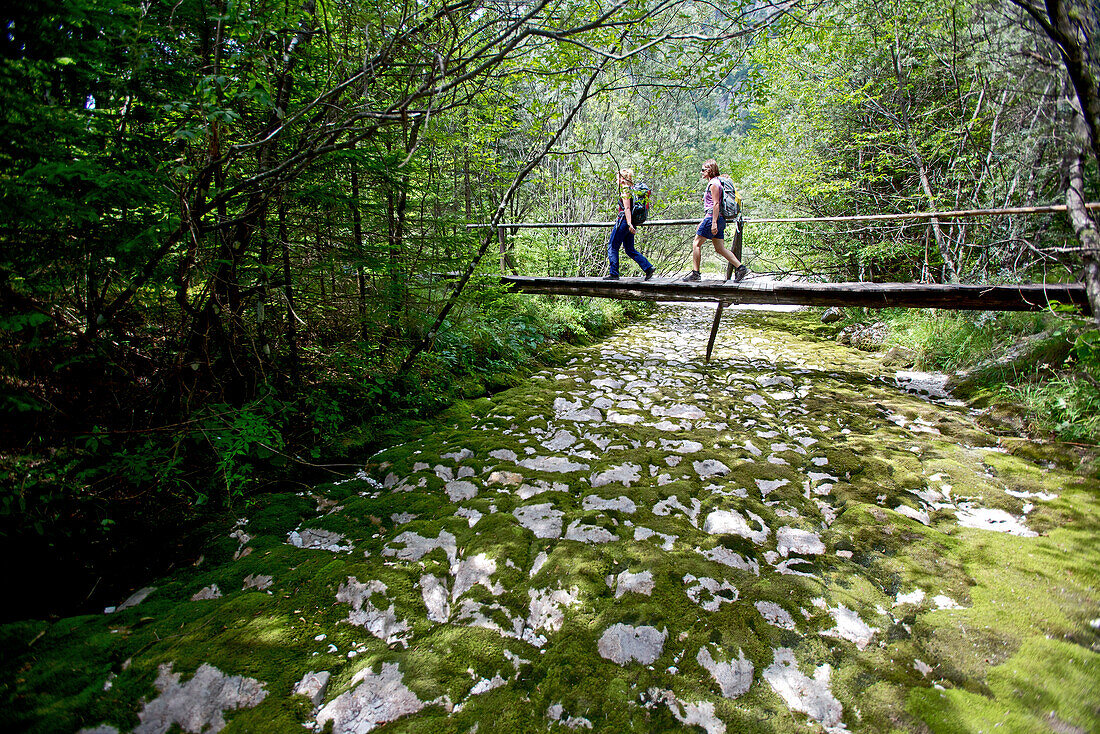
{"x": 288, "y": 294}
{"x": 1085, "y": 228}
{"x": 357, "y": 238}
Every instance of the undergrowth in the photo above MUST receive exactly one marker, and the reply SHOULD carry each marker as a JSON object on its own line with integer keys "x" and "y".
{"x": 115, "y": 495}
{"x": 1056, "y": 377}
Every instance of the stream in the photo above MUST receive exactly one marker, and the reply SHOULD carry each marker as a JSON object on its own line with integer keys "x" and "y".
{"x": 789, "y": 538}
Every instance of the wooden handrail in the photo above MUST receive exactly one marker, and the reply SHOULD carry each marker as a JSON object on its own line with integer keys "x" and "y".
{"x": 954, "y": 214}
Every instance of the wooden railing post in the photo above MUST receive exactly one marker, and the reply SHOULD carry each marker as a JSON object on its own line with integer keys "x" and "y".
{"x": 737, "y": 238}
{"x": 503, "y": 248}
{"x": 736, "y": 247}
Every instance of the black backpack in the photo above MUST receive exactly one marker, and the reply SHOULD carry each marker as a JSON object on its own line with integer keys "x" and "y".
{"x": 639, "y": 210}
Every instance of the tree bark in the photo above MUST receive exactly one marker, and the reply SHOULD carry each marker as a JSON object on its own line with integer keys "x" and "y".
{"x": 1085, "y": 228}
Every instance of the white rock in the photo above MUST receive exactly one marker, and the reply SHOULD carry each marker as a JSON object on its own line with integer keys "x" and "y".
{"x": 921, "y": 517}
{"x": 767, "y": 486}
{"x": 563, "y": 439}
{"x": 458, "y": 456}
{"x": 990, "y": 519}
{"x": 850, "y": 627}
{"x": 913, "y": 597}
{"x": 733, "y": 678}
{"x": 474, "y": 571}
{"x": 619, "y": 504}
{"x": 382, "y": 623}
{"x": 710, "y": 468}
{"x": 720, "y": 593}
{"x": 417, "y": 546}
{"x": 257, "y": 582}
{"x": 461, "y": 490}
{"x": 690, "y": 714}
{"x": 471, "y": 515}
{"x": 801, "y": 693}
{"x": 315, "y": 539}
{"x": 945, "y": 602}
{"x": 433, "y": 590}
{"x": 199, "y": 704}
{"x": 775, "y": 615}
{"x": 723, "y": 555}
{"x": 312, "y": 686}
{"x": 378, "y": 699}
{"x": 681, "y": 447}
{"x": 622, "y": 643}
{"x": 546, "y": 611}
{"x": 722, "y": 522}
{"x": 557, "y": 464}
{"x": 588, "y": 533}
{"x": 539, "y": 562}
{"x": 793, "y": 540}
{"x": 210, "y": 592}
{"x": 543, "y": 520}
{"x": 634, "y": 583}
{"x": 665, "y": 507}
{"x": 641, "y": 533}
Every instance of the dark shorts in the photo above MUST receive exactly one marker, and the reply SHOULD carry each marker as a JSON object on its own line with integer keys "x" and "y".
{"x": 704, "y": 229}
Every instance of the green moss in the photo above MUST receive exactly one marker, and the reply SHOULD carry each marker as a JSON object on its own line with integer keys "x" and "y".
{"x": 1023, "y": 693}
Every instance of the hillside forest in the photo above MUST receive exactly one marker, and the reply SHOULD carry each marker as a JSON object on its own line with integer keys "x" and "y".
{"x": 234, "y": 251}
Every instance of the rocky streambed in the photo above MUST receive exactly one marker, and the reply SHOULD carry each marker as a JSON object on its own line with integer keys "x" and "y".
{"x": 787, "y": 539}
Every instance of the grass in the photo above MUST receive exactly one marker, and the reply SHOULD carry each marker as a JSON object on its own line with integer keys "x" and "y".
{"x": 1055, "y": 380}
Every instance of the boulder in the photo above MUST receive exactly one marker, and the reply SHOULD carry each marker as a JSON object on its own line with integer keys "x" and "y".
{"x": 832, "y": 315}
{"x": 865, "y": 338}
{"x": 899, "y": 357}
{"x": 1020, "y": 358}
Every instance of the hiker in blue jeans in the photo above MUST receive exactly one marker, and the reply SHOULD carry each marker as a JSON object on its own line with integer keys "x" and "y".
{"x": 623, "y": 232}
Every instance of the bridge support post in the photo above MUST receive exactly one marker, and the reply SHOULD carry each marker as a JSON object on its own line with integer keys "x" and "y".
{"x": 714, "y": 329}
{"x": 503, "y": 249}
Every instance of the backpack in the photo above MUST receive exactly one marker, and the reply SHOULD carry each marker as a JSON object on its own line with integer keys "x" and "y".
{"x": 731, "y": 202}
{"x": 639, "y": 210}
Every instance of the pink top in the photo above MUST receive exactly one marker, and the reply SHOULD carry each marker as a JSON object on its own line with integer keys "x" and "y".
{"x": 708, "y": 200}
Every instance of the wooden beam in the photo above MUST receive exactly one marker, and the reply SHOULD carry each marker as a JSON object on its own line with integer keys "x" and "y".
{"x": 956, "y": 297}
{"x": 919, "y": 216}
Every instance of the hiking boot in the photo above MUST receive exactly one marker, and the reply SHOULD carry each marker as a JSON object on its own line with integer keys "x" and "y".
{"x": 611, "y": 277}
{"x": 692, "y": 277}
{"x": 740, "y": 272}
{"x": 649, "y": 272}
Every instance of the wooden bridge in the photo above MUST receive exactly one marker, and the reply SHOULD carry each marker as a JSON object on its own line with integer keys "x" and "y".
{"x": 756, "y": 290}
{"x": 1028, "y": 297}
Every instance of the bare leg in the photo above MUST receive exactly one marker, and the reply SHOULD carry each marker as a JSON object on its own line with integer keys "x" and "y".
{"x": 697, "y": 252}
{"x": 720, "y": 248}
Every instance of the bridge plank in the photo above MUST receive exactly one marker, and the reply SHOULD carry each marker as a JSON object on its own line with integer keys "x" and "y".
{"x": 951, "y": 296}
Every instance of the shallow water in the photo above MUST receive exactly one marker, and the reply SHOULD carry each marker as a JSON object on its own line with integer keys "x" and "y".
{"x": 789, "y": 538}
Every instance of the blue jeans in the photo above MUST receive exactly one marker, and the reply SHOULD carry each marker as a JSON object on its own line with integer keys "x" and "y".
{"x": 622, "y": 235}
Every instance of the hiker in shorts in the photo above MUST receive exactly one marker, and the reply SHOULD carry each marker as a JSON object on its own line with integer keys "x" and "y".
{"x": 623, "y": 233}
{"x": 713, "y": 227}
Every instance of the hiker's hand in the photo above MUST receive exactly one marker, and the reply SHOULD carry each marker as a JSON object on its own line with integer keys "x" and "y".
{"x": 631, "y": 228}
{"x": 714, "y": 227}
